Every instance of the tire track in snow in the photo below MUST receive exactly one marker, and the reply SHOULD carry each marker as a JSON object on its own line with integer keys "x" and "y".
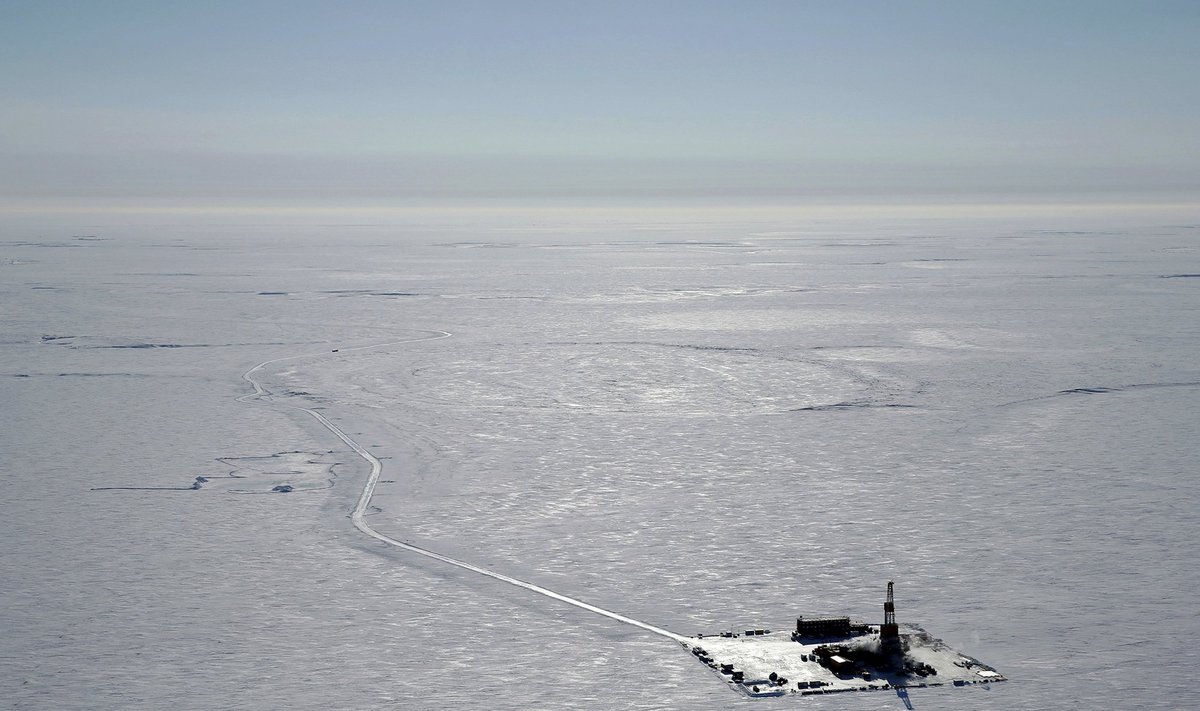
{"x": 364, "y": 499}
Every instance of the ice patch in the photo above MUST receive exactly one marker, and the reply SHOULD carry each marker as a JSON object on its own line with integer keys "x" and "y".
{"x": 283, "y": 472}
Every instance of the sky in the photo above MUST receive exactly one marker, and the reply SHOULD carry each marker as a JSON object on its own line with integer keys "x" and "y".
{"x": 411, "y": 100}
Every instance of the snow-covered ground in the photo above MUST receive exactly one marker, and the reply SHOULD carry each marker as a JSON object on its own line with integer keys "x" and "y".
{"x": 699, "y": 424}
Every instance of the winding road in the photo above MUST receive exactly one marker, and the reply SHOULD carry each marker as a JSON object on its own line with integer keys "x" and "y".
{"x": 364, "y": 500}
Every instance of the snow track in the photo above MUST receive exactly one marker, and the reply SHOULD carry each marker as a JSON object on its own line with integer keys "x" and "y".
{"x": 364, "y": 500}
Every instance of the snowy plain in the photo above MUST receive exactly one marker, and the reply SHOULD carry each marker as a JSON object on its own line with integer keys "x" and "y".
{"x": 703, "y": 422}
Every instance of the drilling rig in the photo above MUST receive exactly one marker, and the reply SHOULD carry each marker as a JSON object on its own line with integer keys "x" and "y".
{"x": 889, "y": 631}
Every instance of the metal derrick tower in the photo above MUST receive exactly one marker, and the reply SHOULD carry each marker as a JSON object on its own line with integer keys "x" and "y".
{"x": 889, "y": 632}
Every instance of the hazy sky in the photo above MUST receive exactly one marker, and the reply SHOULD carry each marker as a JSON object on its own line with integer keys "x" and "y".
{"x": 410, "y": 99}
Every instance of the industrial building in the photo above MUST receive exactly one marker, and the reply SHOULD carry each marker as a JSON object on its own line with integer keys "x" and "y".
{"x": 827, "y": 628}
{"x": 821, "y": 627}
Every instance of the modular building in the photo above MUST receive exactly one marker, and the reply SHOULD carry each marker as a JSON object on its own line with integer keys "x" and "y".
{"x": 820, "y": 627}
